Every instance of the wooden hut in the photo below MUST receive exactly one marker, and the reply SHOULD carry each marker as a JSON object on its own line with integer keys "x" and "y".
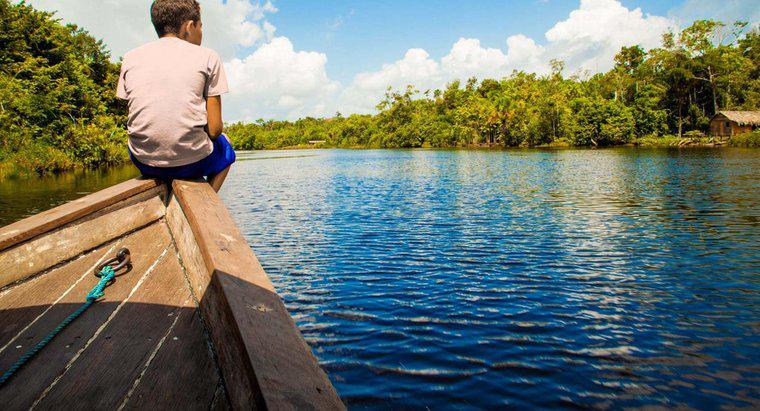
{"x": 731, "y": 123}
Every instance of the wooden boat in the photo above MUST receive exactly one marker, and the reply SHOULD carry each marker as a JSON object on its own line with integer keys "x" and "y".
{"x": 194, "y": 324}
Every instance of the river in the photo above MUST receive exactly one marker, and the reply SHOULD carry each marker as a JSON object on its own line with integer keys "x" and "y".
{"x": 525, "y": 278}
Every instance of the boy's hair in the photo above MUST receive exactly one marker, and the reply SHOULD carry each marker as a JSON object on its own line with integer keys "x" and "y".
{"x": 168, "y": 15}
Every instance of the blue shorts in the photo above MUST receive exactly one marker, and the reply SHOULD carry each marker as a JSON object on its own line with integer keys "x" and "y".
{"x": 222, "y": 157}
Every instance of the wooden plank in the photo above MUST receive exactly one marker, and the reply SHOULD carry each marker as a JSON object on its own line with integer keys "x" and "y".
{"x": 184, "y": 239}
{"x": 71, "y": 240}
{"x": 237, "y": 372}
{"x": 185, "y": 362}
{"x": 146, "y": 246}
{"x": 113, "y": 363}
{"x": 41, "y": 223}
{"x": 192, "y": 261}
{"x": 259, "y": 348}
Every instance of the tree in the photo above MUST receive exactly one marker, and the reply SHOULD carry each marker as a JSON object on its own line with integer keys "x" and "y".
{"x": 57, "y": 104}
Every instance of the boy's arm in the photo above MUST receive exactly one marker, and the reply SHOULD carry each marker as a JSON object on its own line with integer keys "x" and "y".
{"x": 214, "y": 125}
{"x": 121, "y": 87}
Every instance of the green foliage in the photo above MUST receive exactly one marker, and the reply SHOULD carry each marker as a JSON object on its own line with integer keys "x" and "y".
{"x": 97, "y": 142}
{"x": 657, "y": 97}
{"x": 601, "y": 122}
{"x": 746, "y": 140}
{"x": 57, "y": 105}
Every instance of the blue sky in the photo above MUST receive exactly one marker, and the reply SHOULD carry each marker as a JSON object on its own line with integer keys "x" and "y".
{"x": 362, "y": 35}
{"x": 287, "y": 59}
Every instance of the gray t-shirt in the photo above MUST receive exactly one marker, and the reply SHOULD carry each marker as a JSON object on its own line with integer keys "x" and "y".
{"x": 166, "y": 83}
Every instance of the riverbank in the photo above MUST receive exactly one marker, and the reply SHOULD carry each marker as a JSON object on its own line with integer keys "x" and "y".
{"x": 749, "y": 140}
{"x": 85, "y": 148}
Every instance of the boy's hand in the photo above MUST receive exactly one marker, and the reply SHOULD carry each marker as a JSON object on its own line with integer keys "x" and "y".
{"x": 214, "y": 124}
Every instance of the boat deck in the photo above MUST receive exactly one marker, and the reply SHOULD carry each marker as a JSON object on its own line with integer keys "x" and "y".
{"x": 195, "y": 324}
{"x": 143, "y": 336}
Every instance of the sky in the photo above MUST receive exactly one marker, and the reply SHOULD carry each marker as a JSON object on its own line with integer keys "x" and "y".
{"x": 287, "y": 59}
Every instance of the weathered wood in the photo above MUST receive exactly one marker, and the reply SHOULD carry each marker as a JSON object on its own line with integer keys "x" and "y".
{"x": 237, "y": 373}
{"x": 195, "y": 267}
{"x": 183, "y": 362}
{"x": 147, "y": 246}
{"x": 66, "y": 242}
{"x": 115, "y": 361}
{"x": 56, "y": 217}
{"x": 184, "y": 239}
{"x": 259, "y": 348}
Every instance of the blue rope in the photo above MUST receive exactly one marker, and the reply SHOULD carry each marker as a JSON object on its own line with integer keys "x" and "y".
{"x": 107, "y": 275}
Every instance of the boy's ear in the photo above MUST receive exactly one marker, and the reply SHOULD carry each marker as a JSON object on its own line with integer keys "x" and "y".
{"x": 184, "y": 29}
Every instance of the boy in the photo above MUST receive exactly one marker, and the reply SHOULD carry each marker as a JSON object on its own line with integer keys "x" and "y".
{"x": 173, "y": 87}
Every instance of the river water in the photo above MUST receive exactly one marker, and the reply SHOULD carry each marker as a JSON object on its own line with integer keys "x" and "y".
{"x": 524, "y": 278}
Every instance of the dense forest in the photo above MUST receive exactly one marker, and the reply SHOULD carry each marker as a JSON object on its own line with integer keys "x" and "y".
{"x": 650, "y": 97}
{"x": 58, "y": 108}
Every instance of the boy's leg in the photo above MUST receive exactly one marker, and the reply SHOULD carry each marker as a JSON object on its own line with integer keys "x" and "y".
{"x": 222, "y": 156}
{"x": 217, "y": 180}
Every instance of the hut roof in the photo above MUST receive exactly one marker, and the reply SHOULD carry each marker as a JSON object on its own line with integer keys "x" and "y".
{"x": 742, "y": 117}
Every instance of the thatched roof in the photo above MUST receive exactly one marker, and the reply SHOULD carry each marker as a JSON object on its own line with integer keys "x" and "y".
{"x": 742, "y": 117}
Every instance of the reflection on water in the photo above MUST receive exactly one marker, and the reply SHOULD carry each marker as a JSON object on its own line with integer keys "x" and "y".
{"x": 20, "y": 198}
{"x": 528, "y": 278}
{"x": 467, "y": 279}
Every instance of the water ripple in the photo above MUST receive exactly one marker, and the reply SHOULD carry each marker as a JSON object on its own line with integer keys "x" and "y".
{"x": 527, "y": 278}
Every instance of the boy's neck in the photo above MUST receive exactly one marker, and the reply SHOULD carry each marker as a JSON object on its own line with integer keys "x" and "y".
{"x": 169, "y": 35}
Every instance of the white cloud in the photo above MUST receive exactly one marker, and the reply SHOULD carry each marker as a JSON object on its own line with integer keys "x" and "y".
{"x": 123, "y": 25}
{"x": 524, "y": 54}
{"x": 366, "y": 89}
{"x": 587, "y": 40}
{"x": 416, "y": 67}
{"x": 595, "y": 32}
{"x": 235, "y": 23}
{"x": 269, "y": 29}
{"x": 278, "y": 81}
{"x": 468, "y": 58}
